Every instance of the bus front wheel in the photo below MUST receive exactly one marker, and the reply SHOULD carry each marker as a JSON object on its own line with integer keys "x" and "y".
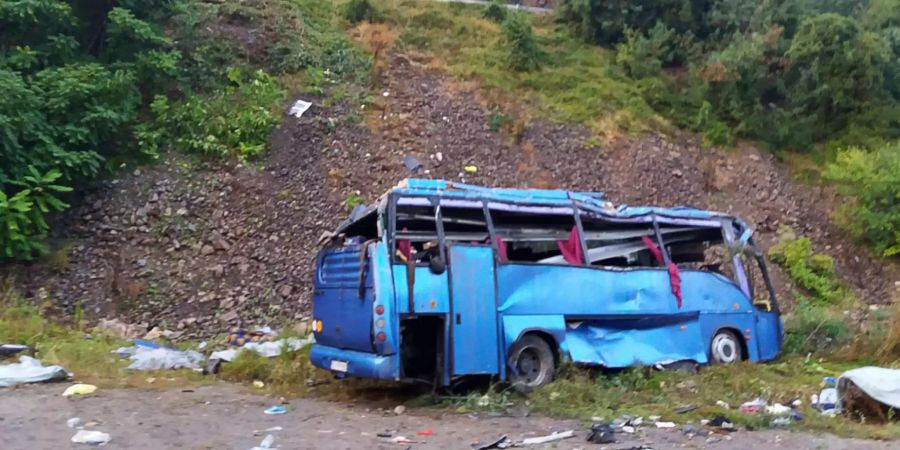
{"x": 725, "y": 348}
{"x": 531, "y": 363}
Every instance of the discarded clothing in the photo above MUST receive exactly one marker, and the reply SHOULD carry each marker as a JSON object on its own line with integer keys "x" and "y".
{"x": 29, "y": 370}
{"x": 239, "y": 337}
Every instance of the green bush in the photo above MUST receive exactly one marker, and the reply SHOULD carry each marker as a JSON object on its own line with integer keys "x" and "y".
{"x": 812, "y": 272}
{"x": 523, "y": 53}
{"x": 872, "y": 179}
{"x": 835, "y": 70}
{"x": 22, "y": 223}
{"x": 644, "y": 55}
{"x": 359, "y": 10}
{"x": 496, "y": 11}
{"x": 234, "y": 122}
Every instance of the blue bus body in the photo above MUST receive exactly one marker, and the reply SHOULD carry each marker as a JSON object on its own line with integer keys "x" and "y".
{"x": 464, "y": 318}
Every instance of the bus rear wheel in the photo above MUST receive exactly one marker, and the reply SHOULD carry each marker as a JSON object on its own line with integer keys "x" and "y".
{"x": 531, "y": 363}
{"x": 725, "y": 348}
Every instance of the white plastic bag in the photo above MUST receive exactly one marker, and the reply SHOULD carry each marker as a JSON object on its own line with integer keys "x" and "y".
{"x": 145, "y": 358}
{"x": 90, "y": 437}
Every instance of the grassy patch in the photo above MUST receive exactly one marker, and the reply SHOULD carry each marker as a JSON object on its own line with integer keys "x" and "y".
{"x": 576, "y": 82}
{"x": 582, "y": 394}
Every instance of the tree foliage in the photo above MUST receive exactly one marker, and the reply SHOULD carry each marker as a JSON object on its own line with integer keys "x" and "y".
{"x": 791, "y": 73}
{"x": 872, "y": 179}
{"x": 523, "y": 52}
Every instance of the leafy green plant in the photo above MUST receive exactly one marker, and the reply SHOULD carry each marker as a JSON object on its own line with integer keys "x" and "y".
{"x": 22, "y": 215}
{"x": 872, "y": 179}
{"x": 497, "y": 120}
{"x": 523, "y": 53}
{"x": 644, "y": 55}
{"x": 359, "y": 10}
{"x": 236, "y": 121}
{"x": 495, "y": 12}
{"x": 813, "y": 272}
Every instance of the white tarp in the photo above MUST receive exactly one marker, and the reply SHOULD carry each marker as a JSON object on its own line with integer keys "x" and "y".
{"x": 268, "y": 349}
{"x": 29, "y": 370}
{"x": 881, "y": 384}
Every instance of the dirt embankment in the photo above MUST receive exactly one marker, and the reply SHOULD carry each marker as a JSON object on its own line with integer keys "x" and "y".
{"x": 197, "y": 246}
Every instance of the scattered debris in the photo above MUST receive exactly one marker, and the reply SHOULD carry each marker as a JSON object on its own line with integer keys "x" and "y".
{"x": 722, "y": 423}
{"x": 298, "y": 108}
{"x": 555, "y": 436}
{"x": 628, "y": 429}
{"x": 427, "y": 432}
{"x": 602, "y": 433}
{"x": 267, "y": 430}
{"x": 411, "y": 163}
{"x": 502, "y": 442}
{"x": 91, "y": 437}
{"x": 73, "y": 422}
{"x": 259, "y": 384}
{"x": 471, "y": 169}
{"x": 266, "y": 443}
{"x": 400, "y": 409}
{"x": 268, "y": 349}
{"x": 147, "y": 355}
{"x": 684, "y": 409}
{"x": 777, "y": 409}
{"x": 753, "y": 406}
{"x": 385, "y": 434}
{"x": 692, "y": 430}
{"x": 11, "y": 349}
{"x": 29, "y": 370}
{"x": 277, "y": 409}
{"x": 665, "y": 424}
{"x": 79, "y": 389}
{"x": 723, "y": 404}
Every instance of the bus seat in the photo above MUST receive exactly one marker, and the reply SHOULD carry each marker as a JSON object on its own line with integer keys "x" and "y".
{"x": 571, "y": 248}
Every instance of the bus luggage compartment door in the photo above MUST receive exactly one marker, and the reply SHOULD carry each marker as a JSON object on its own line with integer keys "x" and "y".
{"x": 474, "y": 310}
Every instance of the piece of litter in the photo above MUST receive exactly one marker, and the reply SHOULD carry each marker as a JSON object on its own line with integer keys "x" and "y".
{"x": 79, "y": 389}
{"x": 654, "y": 418}
{"x": 555, "y": 436}
{"x": 628, "y": 429}
{"x": 424, "y": 432}
{"x": 753, "y": 406}
{"x": 73, "y": 422}
{"x": 298, "y": 108}
{"x": 259, "y": 384}
{"x": 471, "y": 169}
{"x": 401, "y": 440}
{"x": 400, "y": 409}
{"x": 723, "y": 404}
{"x": 684, "y": 409}
{"x": 778, "y": 409}
{"x": 665, "y": 424}
{"x": 90, "y": 437}
{"x": 201, "y": 345}
{"x": 29, "y": 370}
{"x": 602, "y": 433}
{"x": 502, "y": 442}
{"x": 411, "y": 163}
{"x": 386, "y": 94}
{"x": 277, "y": 409}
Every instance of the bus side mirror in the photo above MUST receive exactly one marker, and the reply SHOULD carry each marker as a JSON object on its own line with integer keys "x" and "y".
{"x": 437, "y": 265}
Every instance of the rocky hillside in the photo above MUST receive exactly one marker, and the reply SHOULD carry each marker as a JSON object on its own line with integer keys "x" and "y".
{"x": 197, "y": 246}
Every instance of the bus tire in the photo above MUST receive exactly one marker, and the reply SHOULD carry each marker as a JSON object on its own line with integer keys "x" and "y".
{"x": 725, "y": 348}
{"x": 531, "y": 363}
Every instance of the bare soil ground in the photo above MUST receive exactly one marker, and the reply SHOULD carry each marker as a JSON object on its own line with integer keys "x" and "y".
{"x": 223, "y": 417}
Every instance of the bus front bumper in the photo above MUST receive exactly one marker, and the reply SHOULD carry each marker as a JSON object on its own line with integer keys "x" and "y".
{"x": 344, "y": 363}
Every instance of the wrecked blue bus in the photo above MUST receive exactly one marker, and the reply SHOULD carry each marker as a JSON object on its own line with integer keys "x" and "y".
{"x": 441, "y": 280}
